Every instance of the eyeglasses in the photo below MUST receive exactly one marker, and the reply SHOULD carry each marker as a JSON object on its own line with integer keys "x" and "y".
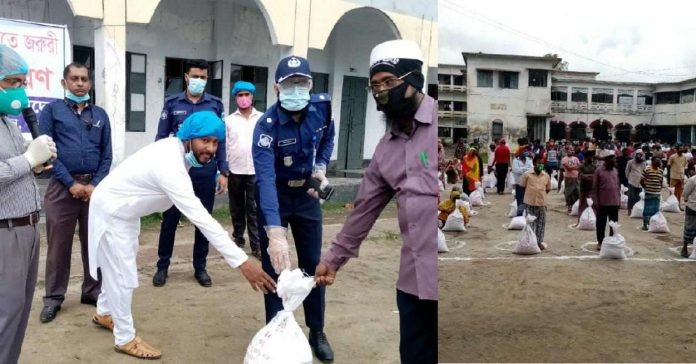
{"x": 293, "y": 82}
{"x": 16, "y": 82}
{"x": 387, "y": 84}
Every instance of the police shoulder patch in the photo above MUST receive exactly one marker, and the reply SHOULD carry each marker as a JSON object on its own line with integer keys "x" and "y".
{"x": 265, "y": 141}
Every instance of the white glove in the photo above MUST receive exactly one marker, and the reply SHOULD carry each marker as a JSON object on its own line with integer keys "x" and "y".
{"x": 319, "y": 173}
{"x": 40, "y": 150}
{"x": 278, "y": 248}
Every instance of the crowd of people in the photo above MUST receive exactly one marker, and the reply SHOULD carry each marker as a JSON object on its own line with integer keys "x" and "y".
{"x": 598, "y": 171}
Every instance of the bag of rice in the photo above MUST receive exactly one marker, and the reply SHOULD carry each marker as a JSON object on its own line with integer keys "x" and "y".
{"x": 517, "y": 223}
{"x": 527, "y": 240}
{"x": 554, "y": 181}
{"x": 441, "y": 242}
{"x": 282, "y": 340}
{"x": 562, "y": 190}
{"x": 476, "y": 198}
{"x": 588, "y": 219}
{"x": 574, "y": 209}
{"x": 513, "y": 209}
{"x": 455, "y": 222}
{"x": 637, "y": 210}
{"x": 658, "y": 224}
{"x": 613, "y": 246}
{"x": 671, "y": 204}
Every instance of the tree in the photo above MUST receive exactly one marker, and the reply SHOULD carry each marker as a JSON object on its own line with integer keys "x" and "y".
{"x": 559, "y": 64}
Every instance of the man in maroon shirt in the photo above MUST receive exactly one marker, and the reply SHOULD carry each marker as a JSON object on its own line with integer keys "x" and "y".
{"x": 404, "y": 165}
{"x": 502, "y": 164}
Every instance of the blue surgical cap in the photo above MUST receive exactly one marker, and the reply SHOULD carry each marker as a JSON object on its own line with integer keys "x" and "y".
{"x": 11, "y": 63}
{"x": 202, "y": 124}
{"x": 240, "y": 86}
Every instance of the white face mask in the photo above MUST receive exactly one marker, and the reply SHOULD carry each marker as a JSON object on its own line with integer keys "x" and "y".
{"x": 196, "y": 86}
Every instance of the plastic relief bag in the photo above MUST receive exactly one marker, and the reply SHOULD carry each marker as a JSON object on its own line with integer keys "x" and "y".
{"x": 476, "y": 198}
{"x": 517, "y": 223}
{"x": 574, "y": 209}
{"x": 509, "y": 181}
{"x": 658, "y": 224}
{"x": 282, "y": 339}
{"x": 562, "y": 190}
{"x": 671, "y": 204}
{"x": 554, "y": 181}
{"x": 455, "y": 222}
{"x": 441, "y": 242}
{"x": 613, "y": 246}
{"x": 637, "y": 210}
{"x": 513, "y": 209}
{"x": 527, "y": 240}
{"x": 624, "y": 202}
{"x": 489, "y": 180}
{"x": 588, "y": 219}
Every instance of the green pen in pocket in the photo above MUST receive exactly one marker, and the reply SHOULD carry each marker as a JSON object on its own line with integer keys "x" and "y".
{"x": 424, "y": 159}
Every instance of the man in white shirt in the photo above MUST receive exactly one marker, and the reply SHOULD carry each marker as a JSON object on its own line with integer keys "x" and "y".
{"x": 150, "y": 181}
{"x": 242, "y": 178}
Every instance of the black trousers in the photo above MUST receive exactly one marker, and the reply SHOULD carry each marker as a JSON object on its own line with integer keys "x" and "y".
{"x": 501, "y": 171}
{"x": 241, "y": 191}
{"x": 203, "y": 180}
{"x": 604, "y": 213}
{"x": 418, "y": 327}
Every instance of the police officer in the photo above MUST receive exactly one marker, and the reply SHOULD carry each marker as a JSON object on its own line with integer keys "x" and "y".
{"x": 176, "y": 109}
{"x": 293, "y": 142}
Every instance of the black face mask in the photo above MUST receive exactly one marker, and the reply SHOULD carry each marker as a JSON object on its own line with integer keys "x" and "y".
{"x": 395, "y": 105}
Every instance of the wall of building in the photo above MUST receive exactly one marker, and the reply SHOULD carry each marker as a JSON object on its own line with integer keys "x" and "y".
{"x": 486, "y": 104}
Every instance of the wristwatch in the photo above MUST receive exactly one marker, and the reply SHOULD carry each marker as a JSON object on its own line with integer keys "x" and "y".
{"x": 225, "y": 173}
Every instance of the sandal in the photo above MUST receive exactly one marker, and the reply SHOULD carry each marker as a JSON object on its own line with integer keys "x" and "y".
{"x": 139, "y": 349}
{"x": 104, "y": 321}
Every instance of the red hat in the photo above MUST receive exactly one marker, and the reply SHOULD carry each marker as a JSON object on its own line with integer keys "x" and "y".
{"x": 502, "y": 140}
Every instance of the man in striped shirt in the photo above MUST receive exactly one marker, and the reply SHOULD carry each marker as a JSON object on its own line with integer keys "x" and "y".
{"x": 19, "y": 206}
{"x": 651, "y": 181}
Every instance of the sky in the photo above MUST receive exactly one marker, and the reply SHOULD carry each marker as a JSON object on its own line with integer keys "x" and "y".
{"x": 640, "y": 41}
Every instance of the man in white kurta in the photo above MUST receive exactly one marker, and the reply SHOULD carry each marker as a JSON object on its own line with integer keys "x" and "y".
{"x": 150, "y": 181}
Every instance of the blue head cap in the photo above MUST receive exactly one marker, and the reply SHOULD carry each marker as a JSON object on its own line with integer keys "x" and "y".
{"x": 292, "y": 66}
{"x": 202, "y": 124}
{"x": 240, "y": 86}
{"x": 11, "y": 63}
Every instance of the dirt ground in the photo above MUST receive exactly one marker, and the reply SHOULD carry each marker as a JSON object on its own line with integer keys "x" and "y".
{"x": 565, "y": 304}
{"x": 192, "y": 324}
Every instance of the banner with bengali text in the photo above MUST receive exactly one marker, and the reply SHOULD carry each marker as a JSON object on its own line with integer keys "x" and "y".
{"x": 47, "y": 50}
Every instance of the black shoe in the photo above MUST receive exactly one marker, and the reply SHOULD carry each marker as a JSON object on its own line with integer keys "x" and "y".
{"x": 320, "y": 346}
{"x": 256, "y": 253}
{"x": 48, "y": 313}
{"x": 240, "y": 242}
{"x": 160, "y": 278}
{"x": 203, "y": 278}
{"x": 88, "y": 301}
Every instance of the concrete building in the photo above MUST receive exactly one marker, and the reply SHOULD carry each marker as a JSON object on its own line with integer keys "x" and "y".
{"x": 513, "y": 96}
{"x": 452, "y": 98}
{"x": 138, "y": 48}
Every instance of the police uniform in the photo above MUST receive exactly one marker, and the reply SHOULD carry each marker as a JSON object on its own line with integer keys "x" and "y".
{"x": 176, "y": 109}
{"x": 284, "y": 155}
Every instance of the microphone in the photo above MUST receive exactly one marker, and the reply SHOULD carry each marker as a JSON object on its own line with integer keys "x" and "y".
{"x": 33, "y": 124}
{"x": 30, "y": 118}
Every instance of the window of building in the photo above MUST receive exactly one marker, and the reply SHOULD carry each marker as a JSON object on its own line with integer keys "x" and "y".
{"x": 559, "y": 93}
{"x": 444, "y": 132}
{"x": 458, "y": 80}
{"x": 174, "y": 69}
{"x": 459, "y": 106}
{"x": 667, "y": 97}
{"x": 687, "y": 96}
{"x": 256, "y": 75}
{"x": 496, "y": 129}
{"x": 537, "y": 78}
{"x": 85, "y": 55}
{"x": 644, "y": 98}
{"x": 508, "y": 79}
{"x": 444, "y": 79}
{"x": 602, "y": 95}
{"x": 484, "y": 78}
{"x": 432, "y": 90}
{"x": 136, "y": 72}
{"x": 444, "y": 105}
{"x": 579, "y": 94}
{"x": 625, "y": 97}
{"x": 320, "y": 83}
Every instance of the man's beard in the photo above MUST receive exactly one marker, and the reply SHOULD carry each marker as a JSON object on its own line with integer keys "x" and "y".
{"x": 401, "y": 118}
